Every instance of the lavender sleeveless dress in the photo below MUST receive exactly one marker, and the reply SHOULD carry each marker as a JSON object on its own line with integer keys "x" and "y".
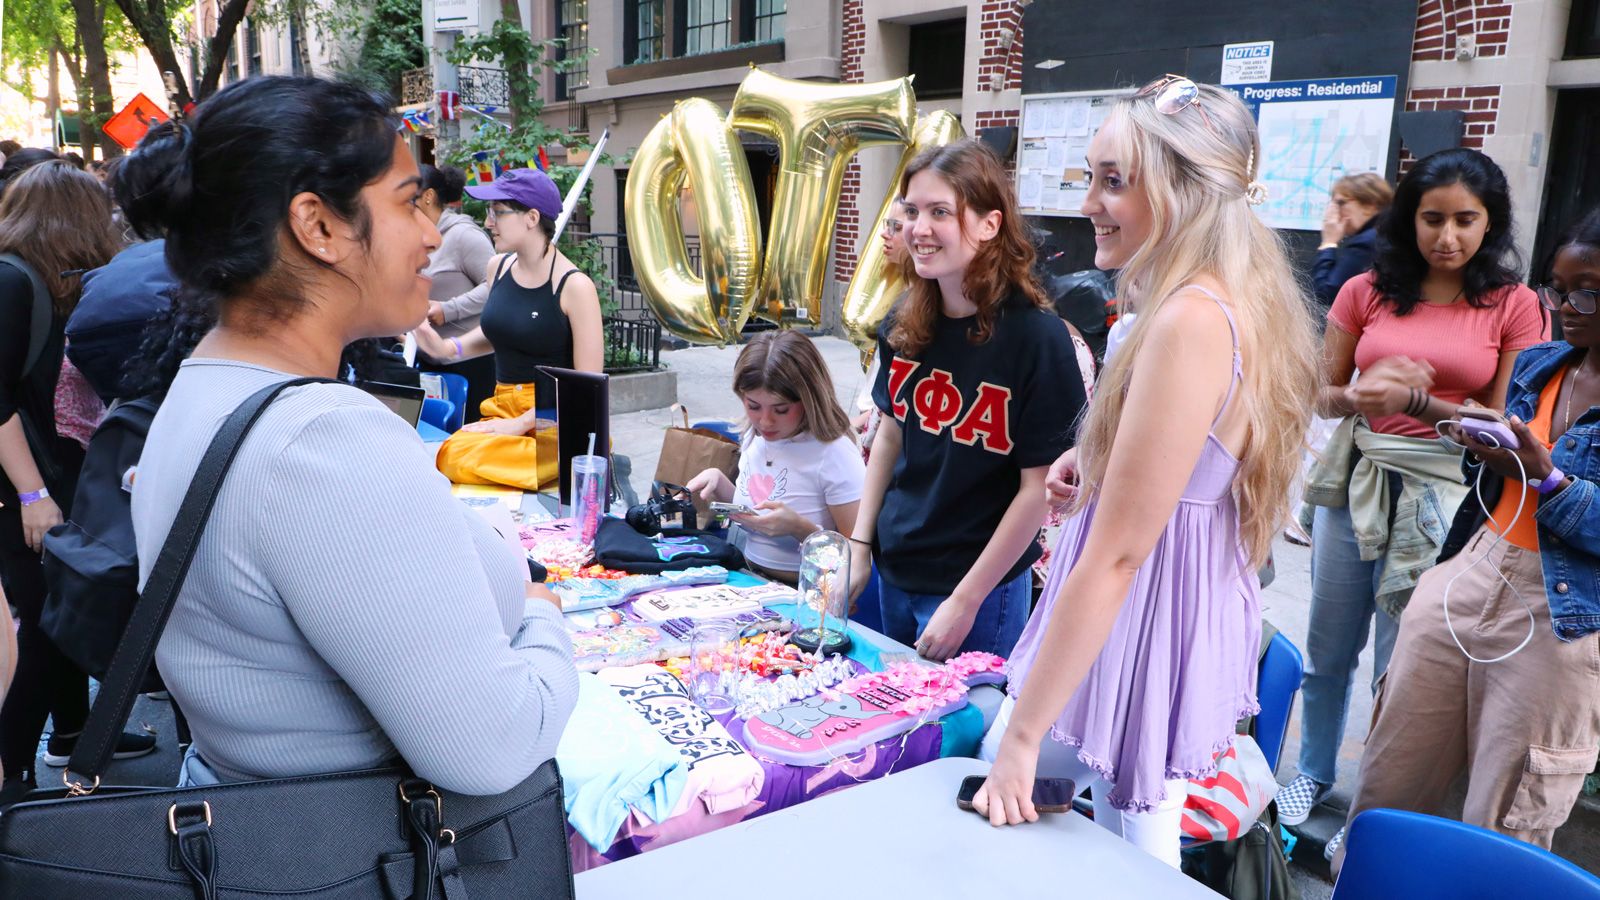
{"x": 1179, "y": 669}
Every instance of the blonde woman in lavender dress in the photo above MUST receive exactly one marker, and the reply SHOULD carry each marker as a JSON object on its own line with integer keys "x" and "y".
{"x": 1141, "y": 654}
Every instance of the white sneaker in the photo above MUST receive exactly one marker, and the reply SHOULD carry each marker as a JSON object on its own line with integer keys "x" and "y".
{"x": 1333, "y": 845}
{"x": 1299, "y": 797}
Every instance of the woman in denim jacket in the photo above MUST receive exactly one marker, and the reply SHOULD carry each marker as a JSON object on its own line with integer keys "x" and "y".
{"x": 1504, "y": 681}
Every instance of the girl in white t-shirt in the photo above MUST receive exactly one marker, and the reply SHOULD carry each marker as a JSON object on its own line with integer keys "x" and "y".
{"x": 799, "y": 466}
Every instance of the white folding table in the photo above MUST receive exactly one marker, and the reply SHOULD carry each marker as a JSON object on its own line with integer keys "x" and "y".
{"x": 897, "y": 838}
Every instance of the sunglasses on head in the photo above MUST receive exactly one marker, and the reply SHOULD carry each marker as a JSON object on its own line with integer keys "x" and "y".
{"x": 1583, "y": 302}
{"x": 1172, "y": 94}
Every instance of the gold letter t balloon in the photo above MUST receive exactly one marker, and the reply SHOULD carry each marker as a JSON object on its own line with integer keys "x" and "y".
{"x": 817, "y": 127}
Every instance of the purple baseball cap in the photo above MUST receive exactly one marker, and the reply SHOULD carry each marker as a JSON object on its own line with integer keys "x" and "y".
{"x": 530, "y": 187}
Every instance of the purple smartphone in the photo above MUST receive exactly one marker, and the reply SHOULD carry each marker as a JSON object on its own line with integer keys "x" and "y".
{"x": 1489, "y": 431}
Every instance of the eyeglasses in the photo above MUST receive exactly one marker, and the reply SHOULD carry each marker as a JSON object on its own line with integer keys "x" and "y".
{"x": 892, "y": 227}
{"x": 1583, "y": 302}
{"x": 1173, "y": 94}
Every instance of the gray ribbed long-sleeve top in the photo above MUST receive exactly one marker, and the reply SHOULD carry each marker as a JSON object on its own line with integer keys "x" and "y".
{"x": 343, "y": 608}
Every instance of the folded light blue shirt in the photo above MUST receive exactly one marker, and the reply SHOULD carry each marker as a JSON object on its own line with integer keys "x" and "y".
{"x": 612, "y": 761}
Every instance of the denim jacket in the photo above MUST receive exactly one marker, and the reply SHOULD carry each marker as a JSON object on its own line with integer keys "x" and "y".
{"x": 1568, "y": 520}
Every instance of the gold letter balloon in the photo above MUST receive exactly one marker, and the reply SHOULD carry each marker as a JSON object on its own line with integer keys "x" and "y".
{"x": 818, "y": 127}
{"x": 876, "y": 284}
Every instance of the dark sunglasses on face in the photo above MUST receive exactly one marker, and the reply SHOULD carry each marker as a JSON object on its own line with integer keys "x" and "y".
{"x": 1583, "y": 302}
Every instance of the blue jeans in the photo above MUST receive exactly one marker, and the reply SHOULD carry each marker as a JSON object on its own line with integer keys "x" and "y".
{"x": 1343, "y": 606}
{"x": 999, "y": 623}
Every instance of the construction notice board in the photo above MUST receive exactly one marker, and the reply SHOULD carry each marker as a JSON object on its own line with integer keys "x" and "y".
{"x": 1052, "y": 146}
{"x": 1312, "y": 134}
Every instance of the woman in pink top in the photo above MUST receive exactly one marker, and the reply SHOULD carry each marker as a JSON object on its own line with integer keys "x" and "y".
{"x": 1438, "y": 321}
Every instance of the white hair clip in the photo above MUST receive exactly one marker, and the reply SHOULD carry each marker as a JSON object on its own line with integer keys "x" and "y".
{"x": 1255, "y": 193}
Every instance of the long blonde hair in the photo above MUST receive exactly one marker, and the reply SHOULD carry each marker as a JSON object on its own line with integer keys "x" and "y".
{"x": 1197, "y": 171}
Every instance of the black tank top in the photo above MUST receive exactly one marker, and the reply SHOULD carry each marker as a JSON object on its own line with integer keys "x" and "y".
{"x": 528, "y": 329}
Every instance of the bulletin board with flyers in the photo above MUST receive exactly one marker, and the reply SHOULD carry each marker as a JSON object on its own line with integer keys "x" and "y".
{"x": 1052, "y": 142}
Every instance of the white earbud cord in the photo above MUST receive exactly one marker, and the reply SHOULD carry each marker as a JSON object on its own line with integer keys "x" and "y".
{"x": 1499, "y": 537}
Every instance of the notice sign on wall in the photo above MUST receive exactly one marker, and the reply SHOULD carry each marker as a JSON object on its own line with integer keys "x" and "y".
{"x": 455, "y": 15}
{"x": 1247, "y": 63}
{"x": 1312, "y": 134}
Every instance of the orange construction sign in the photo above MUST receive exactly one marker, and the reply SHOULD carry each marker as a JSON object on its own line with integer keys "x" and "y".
{"x": 129, "y": 126}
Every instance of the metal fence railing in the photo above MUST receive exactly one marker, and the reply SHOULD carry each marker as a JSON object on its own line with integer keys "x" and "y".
{"x": 632, "y": 345}
{"x": 619, "y": 262}
{"x": 483, "y": 86}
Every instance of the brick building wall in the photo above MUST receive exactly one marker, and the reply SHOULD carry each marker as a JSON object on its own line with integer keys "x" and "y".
{"x": 996, "y": 55}
{"x": 1441, "y": 24}
{"x": 847, "y": 226}
{"x": 998, "y": 17}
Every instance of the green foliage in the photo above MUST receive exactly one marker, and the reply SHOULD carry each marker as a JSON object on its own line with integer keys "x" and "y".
{"x": 508, "y": 45}
{"x": 390, "y": 44}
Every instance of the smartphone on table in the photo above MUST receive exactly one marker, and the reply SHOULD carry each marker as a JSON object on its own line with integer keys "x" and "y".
{"x": 1050, "y": 795}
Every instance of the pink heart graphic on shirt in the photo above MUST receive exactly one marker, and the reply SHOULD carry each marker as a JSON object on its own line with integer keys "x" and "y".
{"x": 760, "y": 488}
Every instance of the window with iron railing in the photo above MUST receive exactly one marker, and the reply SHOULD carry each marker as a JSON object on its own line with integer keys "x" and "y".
{"x": 572, "y": 22}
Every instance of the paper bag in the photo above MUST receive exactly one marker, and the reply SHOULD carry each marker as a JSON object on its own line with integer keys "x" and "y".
{"x": 686, "y": 452}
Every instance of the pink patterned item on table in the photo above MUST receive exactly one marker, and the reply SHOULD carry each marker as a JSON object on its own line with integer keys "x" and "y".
{"x": 976, "y": 667}
{"x": 817, "y": 730}
{"x": 867, "y": 708}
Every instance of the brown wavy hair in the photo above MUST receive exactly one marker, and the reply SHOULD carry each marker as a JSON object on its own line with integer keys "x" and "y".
{"x": 58, "y": 218}
{"x": 1003, "y": 264}
{"x": 788, "y": 364}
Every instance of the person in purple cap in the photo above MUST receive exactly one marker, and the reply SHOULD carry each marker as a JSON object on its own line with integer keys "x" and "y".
{"x": 541, "y": 311}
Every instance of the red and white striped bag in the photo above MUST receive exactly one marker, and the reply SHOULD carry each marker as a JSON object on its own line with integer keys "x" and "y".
{"x": 1224, "y": 806}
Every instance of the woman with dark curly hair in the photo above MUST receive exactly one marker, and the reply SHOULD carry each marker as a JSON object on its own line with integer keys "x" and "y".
{"x": 1436, "y": 324}
{"x": 979, "y": 388}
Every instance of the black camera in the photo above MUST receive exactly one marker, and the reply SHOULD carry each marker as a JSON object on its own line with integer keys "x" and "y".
{"x": 669, "y": 506}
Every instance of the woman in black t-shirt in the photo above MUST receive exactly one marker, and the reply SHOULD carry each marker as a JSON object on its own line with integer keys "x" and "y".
{"x": 979, "y": 387}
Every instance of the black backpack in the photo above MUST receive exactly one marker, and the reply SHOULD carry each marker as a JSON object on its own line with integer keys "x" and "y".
{"x": 91, "y": 563}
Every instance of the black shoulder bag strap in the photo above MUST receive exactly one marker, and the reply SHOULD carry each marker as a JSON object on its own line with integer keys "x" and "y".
{"x": 134, "y": 654}
{"x": 43, "y": 314}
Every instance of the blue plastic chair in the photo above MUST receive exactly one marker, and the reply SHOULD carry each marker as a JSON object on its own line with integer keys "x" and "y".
{"x": 438, "y": 413}
{"x": 1394, "y": 854}
{"x": 455, "y": 390}
{"x": 1277, "y": 681}
{"x": 726, "y": 429}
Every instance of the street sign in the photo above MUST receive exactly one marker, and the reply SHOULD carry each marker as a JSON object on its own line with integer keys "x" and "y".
{"x": 129, "y": 126}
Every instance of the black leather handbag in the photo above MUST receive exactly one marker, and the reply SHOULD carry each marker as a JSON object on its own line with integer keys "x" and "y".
{"x": 380, "y": 833}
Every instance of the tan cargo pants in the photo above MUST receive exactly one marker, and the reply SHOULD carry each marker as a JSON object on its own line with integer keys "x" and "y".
{"x": 1526, "y": 729}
